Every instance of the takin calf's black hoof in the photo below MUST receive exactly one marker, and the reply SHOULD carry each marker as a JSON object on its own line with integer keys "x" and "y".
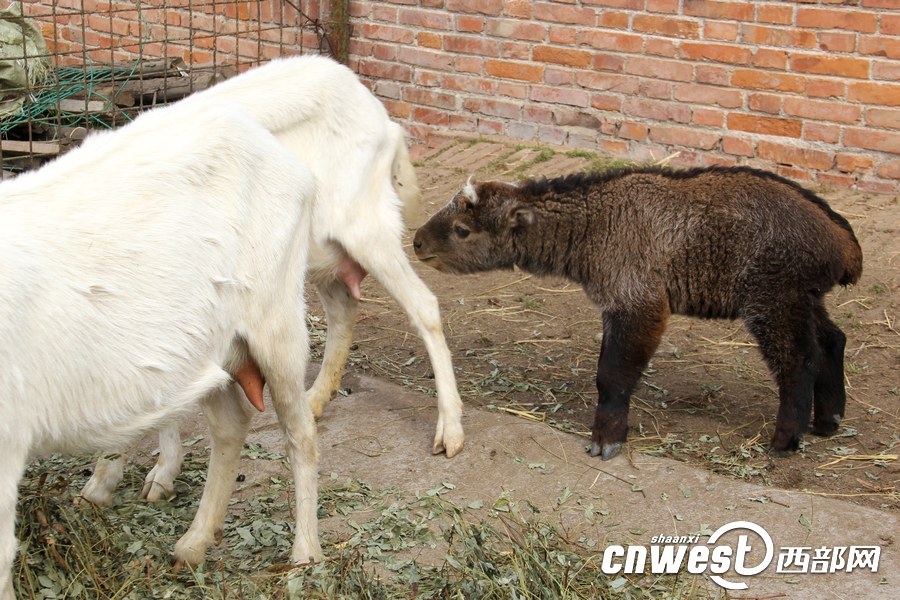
{"x": 783, "y": 445}
{"x": 605, "y": 451}
{"x": 828, "y": 427}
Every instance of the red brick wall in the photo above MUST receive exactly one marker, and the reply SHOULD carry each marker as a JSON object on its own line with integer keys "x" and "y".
{"x": 199, "y": 31}
{"x": 807, "y": 88}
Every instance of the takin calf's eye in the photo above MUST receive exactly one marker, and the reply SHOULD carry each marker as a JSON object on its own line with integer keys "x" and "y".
{"x": 461, "y": 231}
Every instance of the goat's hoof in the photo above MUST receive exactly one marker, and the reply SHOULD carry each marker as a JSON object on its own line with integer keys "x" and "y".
{"x": 448, "y": 439}
{"x": 781, "y": 449}
{"x": 605, "y": 451}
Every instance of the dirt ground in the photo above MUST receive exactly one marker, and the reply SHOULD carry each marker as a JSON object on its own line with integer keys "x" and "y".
{"x": 529, "y": 347}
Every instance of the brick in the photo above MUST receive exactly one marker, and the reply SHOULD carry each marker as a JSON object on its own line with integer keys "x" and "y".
{"x": 607, "y": 40}
{"x": 466, "y": 123}
{"x": 516, "y": 50}
{"x": 842, "y": 66}
{"x": 561, "y": 56}
{"x": 655, "y": 88}
{"x": 737, "y": 11}
{"x": 614, "y": 147}
{"x": 606, "y": 102}
{"x": 626, "y": 4}
{"x": 659, "y": 68}
{"x": 613, "y": 19}
{"x": 428, "y": 79}
{"x": 765, "y": 125}
{"x": 716, "y": 52}
{"x": 465, "y": 83}
{"x": 663, "y": 6}
{"x": 427, "y": 19}
{"x": 569, "y": 97}
{"x": 720, "y": 31}
{"x": 539, "y": 114}
{"x": 514, "y": 70}
{"x": 869, "y": 139}
{"x": 738, "y": 146}
{"x": 609, "y": 62}
{"x": 494, "y": 108}
{"x": 657, "y": 110}
{"x": 853, "y": 163}
{"x": 469, "y": 24}
{"x": 520, "y": 9}
{"x": 412, "y": 55}
{"x": 890, "y": 24}
{"x": 826, "y": 88}
{"x": 838, "y": 112}
{"x": 430, "y": 116}
{"x": 482, "y": 7}
{"x": 558, "y": 13}
{"x": 558, "y": 76}
{"x": 781, "y": 37}
{"x": 486, "y": 127}
{"x": 712, "y": 75}
{"x": 660, "y": 47}
{"x": 832, "y": 179}
{"x": 427, "y": 97}
{"x": 631, "y": 130}
{"x": 877, "y": 186}
{"x": 666, "y": 26}
{"x": 575, "y": 118}
{"x": 884, "y": 94}
{"x": 879, "y": 45}
{"x": 795, "y": 156}
{"x": 766, "y": 80}
{"x": 383, "y": 70}
{"x": 822, "y": 132}
{"x": 883, "y": 117}
{"x": 835, "y": 41}
{"x": 708, "y": 117}
{"x": 769, "y": 58}
{"x": 684, "y": 136}
{"x": 886, "y": 70}
{"x": 509, "y": 89}
{"x": 511, "y": 29}
{"x": 471, "y": 45}
{"x": 767, "y": 103}
{"x": 468, "y": 64}
{"x": 427, "y": 39}
{"x": 825, "y": 18}
{"x": 706, "y": 94}
{"x": 776, "y": 14}
{"x": 387, "y": 33}
{"x": 889, "y": 169}
{"x": 397, "y": 110}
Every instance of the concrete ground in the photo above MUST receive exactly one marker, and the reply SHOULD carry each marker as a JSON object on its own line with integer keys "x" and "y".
{"x": 381, "y": 434}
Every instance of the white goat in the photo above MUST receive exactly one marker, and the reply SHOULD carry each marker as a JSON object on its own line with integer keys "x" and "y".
{"x": 365, "y": 182}
{"x": 140, "y": 273}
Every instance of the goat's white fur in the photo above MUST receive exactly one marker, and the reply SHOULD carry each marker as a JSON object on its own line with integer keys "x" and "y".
{"x": 365, "y": 185}
{"x": 138, "y": 272}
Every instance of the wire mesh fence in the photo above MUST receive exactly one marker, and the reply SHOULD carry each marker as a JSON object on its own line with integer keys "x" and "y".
{"x": 69, "y": 66}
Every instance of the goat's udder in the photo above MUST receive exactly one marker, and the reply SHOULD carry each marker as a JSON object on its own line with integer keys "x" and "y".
{"x": 351, "y": 273}
{"x": 252, "y": 382}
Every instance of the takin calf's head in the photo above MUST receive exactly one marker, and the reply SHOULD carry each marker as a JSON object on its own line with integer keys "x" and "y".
{"x": 474, "y": 232}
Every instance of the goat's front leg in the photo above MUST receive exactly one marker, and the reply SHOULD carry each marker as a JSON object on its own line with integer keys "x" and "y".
{"x": 385, "y": 261}
{"x": 228, "y": 415}
{"x": 160, "y": 481}
{"x": 340, "y": 313}
{"x": 12, "y": 467}
{"x": 629, "y": 341}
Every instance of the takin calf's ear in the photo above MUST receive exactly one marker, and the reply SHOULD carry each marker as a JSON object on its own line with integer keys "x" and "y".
{"x": 521, "y": 215}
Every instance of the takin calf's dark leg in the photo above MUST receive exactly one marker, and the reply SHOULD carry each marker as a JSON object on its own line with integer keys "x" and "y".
{"x": 786, "y": 334}
{"x": 829, "y": 396}
{"x": 629, "y": 341}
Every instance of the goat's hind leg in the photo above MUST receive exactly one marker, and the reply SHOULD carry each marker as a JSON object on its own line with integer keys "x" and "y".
{"x": 787, "y": 340}
{"x": 829, "y": 395}
{"x": 108, "y": 472}
{"x": 160, "y": 481}
{"x": 385, "y": 260}
{"x": 340, "y": 313}
{"x": 629, "y": 341}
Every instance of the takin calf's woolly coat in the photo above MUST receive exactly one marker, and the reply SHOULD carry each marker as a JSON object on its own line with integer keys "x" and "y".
{"x": 645, "y": 243}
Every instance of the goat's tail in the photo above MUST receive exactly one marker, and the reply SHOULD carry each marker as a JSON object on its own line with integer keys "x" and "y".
{"x": 853, "y": 261}
{"x": 403, "y": 176}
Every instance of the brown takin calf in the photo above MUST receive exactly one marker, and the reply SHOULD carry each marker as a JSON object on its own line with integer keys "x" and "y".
{"x": 645, "y": 243}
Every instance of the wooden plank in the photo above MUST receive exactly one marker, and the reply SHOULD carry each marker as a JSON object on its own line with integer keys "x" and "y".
{"x": 26, "y": 147}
